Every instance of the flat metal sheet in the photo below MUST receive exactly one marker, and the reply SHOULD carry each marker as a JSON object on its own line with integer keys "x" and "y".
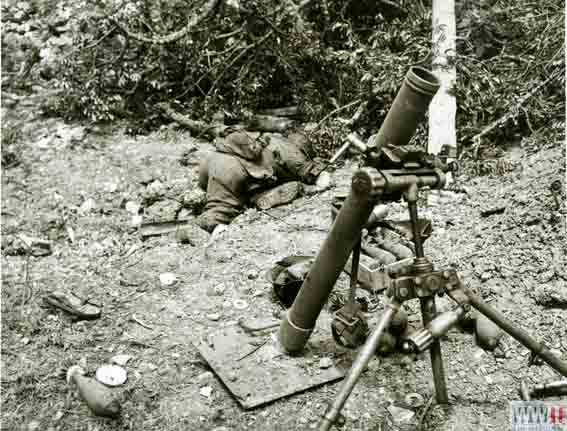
{"x": 255, "y": 369}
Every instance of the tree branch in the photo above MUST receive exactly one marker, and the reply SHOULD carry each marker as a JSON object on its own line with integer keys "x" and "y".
{"x": 162, "y": 40}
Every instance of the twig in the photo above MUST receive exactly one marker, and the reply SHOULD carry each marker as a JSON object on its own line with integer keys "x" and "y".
{"x": 139, "y": 322}
{"x": 424, "y": 412}
{"x": 235, "y": 59}
{"x": 342, "y": 108}
{"x": 175, "y": 36}
{"x": 104, "y": 36}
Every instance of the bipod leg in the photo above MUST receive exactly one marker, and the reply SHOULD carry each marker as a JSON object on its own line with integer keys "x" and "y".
{"x": 366, "y": 353}
{"x": 519, "y": 334}
{"x": 428, "y": 313}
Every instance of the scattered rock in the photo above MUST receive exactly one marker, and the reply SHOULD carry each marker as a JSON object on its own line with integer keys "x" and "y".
{"x": 133, "y": 207}
{"x": 204, "y": 377}
{"x": 400, "y": 415}
{"x": 414, "y": 400}
{"x": 87, "y": 206}
{"x": 120, "y": 359}
{"x": 162, "y": 210}
{"x": 551, "y": 296}
{"x": 21, "y": 245}
{"x": 136, "y": 221}
{"x": 168, "y": 279}
{"x": 252, "y": 274}
{"x": 374, "y": 365}
{"x": 324, "y": 181}
{"x": 57, "y": 416}
{"x": 206, "y": 391}
{"x": 240, "y": 304}
{"x": 33, "y": 425}
{"x": 193, "y": 235}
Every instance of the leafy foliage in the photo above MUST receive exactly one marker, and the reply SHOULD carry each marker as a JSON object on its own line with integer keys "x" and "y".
{"x": 321, "y": 55}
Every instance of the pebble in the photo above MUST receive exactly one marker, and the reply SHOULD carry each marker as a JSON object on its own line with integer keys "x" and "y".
{"x": 132, "y": 207}
{"x": 213, "y": 316}
{"x": 120, "y": 359}
{"x": 203, "y": 377}
{"x": 325, "y": 363}
{"x": 240, "y": 304}
{"x": 206, "y": 391}
{"x": 87, "y": 206}
{"x": 324, "y": 181}
{"x": 414, "y": 400}
{"x": 374, "y": 365}
{"x": 400, "y": 415}
{"x": 136, "y": 220}
{"x": 219, "y": 289}
{"x": 168, "y": 279}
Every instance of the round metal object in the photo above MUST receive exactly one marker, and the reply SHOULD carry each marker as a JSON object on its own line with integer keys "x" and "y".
{"x": 111, "y": 375}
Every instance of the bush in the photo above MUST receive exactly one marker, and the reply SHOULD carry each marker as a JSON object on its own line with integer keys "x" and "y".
{"x": 264, "y": 53}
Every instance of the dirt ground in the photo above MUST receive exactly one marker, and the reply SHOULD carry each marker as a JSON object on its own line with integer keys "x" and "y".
{"x": 507, "y": 257}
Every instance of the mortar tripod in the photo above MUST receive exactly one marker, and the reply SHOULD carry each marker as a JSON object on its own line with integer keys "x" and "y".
{"x": 421, "y": 281}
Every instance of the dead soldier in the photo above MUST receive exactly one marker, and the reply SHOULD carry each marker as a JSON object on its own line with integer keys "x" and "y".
{"x": 247, "y": 164}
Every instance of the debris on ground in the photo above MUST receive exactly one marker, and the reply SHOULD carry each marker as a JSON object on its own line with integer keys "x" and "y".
{"x": 213, "y": 316}
{"x": 79, "y": 307}
{"x": 551, "y": 295}
{"x": 414, "y": 400}
{"x": 22, "y": 245}
{"x": 400, "y": 415}
{"x": 168, "y": 279}
{"x": 97, "y": 396}
{"x": 86, "y": 207}
{"x": 121, "y": 360}
{"x": 206, "y": 391}
{"x": 493, "y": 211}
{"x": 111, "y": 375}
{"x": 240, "y": 304}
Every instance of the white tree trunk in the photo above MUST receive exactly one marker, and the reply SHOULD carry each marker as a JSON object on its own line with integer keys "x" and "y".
{"x": 443, "y": 107}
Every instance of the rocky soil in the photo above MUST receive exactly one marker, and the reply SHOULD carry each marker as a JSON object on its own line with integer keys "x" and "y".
{"x": 72, "y": 187}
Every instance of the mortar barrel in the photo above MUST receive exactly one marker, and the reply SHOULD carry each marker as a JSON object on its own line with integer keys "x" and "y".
{"x": 300, "y": 320}
{"x": 408, "y": 109}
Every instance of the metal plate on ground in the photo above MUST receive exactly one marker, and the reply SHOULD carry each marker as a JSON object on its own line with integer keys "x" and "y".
{"x": 255, "y": 369}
